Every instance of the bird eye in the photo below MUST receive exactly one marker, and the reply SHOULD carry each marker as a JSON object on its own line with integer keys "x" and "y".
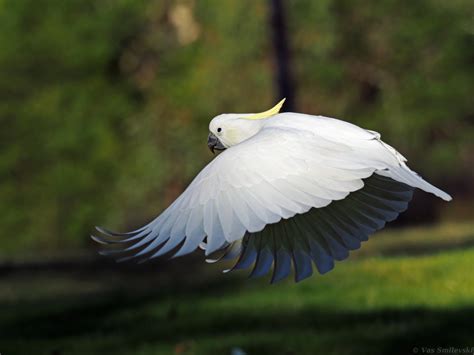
{"x": 219, "y": 130}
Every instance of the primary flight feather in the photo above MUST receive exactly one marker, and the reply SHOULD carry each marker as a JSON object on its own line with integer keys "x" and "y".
{"x": 288, "y": 189}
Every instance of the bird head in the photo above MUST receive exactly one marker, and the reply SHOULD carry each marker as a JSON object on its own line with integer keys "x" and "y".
{"x": 229, "y": 129}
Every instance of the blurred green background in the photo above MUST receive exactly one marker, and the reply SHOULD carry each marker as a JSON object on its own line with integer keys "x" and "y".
{"x": 104, "y": 118}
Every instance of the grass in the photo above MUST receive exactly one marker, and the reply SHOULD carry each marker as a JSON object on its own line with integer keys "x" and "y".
{"x": 403, "y": 289}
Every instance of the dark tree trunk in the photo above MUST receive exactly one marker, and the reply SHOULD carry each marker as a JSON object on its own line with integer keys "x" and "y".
{"x": 283, "y": 75}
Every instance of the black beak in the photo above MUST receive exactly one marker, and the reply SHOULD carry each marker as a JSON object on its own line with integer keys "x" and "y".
{"x": 214, "y": 143}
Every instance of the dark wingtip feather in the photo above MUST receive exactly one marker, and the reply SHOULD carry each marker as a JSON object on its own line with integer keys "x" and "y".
{"x": 282, "y": 267}
{"x": 99, "y": 240}
{"x": 302, "y": 263}
{"x": 116, "y": 234}
{"x": 263, "y": 263}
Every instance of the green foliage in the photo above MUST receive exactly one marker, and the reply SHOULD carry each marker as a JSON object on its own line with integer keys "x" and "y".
{"x": 105, "y": 104}
{"x": 404, "y": 70}
{"x": 63, "y": 115}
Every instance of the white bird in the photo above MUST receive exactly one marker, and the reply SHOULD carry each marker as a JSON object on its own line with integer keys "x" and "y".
{"x": 288, "y": 188}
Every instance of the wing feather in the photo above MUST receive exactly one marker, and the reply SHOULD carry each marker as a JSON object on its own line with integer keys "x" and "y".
{"x": 303, "y": 189}
{"x": 325, "y": 234}
{"x": 258, "y": 182}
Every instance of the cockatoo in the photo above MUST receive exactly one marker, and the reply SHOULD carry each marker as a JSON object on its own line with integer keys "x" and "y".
{"x": 287, "y": 190}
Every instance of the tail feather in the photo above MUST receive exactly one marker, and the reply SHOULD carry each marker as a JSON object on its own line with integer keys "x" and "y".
{"x": 404, "y": 174}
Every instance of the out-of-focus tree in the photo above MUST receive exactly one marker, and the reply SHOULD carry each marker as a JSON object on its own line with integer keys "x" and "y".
{"x": 62, "y": 114}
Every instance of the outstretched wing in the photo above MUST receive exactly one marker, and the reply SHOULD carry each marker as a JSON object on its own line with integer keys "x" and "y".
{"x": 274, "y": 175}
{"x": 320, "y": 236}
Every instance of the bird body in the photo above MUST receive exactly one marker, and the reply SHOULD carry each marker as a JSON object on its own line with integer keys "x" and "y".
{"x": 288, "y": 188}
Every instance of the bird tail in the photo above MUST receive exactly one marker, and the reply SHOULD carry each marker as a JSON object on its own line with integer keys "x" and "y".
{"x": 403, "y": 173}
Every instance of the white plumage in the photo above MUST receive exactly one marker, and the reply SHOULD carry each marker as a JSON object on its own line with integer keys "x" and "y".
{"x": 289, "y": 189}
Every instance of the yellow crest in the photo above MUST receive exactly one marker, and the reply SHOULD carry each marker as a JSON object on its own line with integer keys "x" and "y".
{"x": 273, "y": 111}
